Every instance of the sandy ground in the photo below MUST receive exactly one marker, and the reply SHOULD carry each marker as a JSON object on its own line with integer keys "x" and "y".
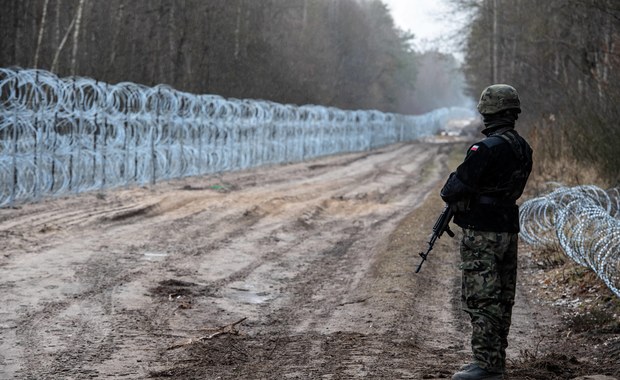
{"x": 301, "y": 271}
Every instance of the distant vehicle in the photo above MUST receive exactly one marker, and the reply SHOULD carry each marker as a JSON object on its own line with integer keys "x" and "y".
{"x": 456, "y": 127}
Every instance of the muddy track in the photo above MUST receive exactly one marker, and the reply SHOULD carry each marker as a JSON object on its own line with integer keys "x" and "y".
{"x": 318, "y": 258}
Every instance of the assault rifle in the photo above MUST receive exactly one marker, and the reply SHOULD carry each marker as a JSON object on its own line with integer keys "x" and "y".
{"x": 442, "y": 224}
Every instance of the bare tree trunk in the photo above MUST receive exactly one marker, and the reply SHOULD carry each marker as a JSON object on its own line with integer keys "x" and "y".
{"x": 205, "y": 59}
{"x": 305, "y": 17}
{"x": 182, "y": 67}
{"x": 159, "y": 68}
{"x": 119, "y": 20}
{"x": 76, "y": 36}
{"x": 57, "y": 28}
{"x": 608, "y": 40}
{"x": 495, "y": 38}
{"x": 15, "y": 20}
{"x": 513, "y": 53}
{"x": 238, "y": 29}
{"x": 135, "y": 70}
{"x": 171, "y": 43}
{"x": 40, "y": 37}
{"x": 60, "y": 46}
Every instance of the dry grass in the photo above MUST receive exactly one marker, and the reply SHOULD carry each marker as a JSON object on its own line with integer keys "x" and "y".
{"x": 554, "y": 161}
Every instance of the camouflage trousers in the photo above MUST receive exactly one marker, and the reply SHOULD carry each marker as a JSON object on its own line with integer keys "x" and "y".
{"x": 489, "y": 265}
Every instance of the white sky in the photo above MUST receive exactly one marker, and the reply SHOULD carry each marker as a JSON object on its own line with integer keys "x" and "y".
{"x": 429, "y": 20}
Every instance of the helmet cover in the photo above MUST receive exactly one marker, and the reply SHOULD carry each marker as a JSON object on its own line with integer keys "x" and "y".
{"x": 497, "y": 98}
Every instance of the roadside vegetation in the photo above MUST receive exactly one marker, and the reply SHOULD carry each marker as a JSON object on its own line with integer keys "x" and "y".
{"x": 563, "y": 57}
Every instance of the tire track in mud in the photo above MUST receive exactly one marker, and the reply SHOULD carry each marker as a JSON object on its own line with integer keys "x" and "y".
{"x": 74, "y": 216}
{"x": 312, "y": 221}
{"x": 292, "y": 248}
{"x": 323, "y": 287}
{"x": 62, "y": 331}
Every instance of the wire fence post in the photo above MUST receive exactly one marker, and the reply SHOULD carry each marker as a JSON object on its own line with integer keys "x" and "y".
{"x": 14, "y": 154}
{"x": 153, "y": 154}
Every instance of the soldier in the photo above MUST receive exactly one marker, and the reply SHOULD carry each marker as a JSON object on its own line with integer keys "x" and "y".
{"x": 483, "y": 192}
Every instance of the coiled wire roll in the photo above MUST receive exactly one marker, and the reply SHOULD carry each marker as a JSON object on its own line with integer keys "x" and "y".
{"x": 584, "y": 221}
{"x": 69, "y": 135}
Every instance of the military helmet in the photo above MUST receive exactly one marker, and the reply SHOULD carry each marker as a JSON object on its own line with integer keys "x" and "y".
{"x": 497, "y": 98}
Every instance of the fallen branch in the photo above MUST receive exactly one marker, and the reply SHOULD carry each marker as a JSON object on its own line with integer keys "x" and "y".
{"x": 355, "y": 301}
{"x": 227, "y": 329}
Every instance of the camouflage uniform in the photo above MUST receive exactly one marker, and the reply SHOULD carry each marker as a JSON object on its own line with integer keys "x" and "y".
{"x": 483, "y": 190}
{"x": 489, "y": 264}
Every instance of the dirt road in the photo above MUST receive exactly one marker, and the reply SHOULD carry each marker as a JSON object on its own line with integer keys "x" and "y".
{"x": 301, "y": 271}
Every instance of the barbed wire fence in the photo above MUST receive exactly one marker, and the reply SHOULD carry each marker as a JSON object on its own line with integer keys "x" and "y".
{"x": 584, "y": 221}
{"x": 69, "y": 135}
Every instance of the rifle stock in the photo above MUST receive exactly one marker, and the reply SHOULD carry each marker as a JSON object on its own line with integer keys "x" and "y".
{"x": 441, "y": 225}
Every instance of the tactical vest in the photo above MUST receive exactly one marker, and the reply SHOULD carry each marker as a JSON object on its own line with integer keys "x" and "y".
{"x": 515, "y": 185}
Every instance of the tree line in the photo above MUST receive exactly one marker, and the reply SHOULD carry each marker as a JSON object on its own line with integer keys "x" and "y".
{"x": 563, "y": 57}
{"x": 342, "y": 53}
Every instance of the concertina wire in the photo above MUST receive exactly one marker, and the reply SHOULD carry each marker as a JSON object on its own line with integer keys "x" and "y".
{"x": 584, "y": 221}
{"x": 61, "y": 136}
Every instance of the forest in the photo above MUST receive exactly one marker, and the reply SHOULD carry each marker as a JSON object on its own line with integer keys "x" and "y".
{"x": 342, "y": 53}
{"x": 563, "y": 57}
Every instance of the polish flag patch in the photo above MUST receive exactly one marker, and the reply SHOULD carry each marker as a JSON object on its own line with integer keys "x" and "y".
{"x": 474, "y": 148}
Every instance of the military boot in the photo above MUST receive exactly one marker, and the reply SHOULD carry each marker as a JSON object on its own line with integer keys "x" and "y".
{"x": 466, "y": 367}
{"x": 474, "y": 372}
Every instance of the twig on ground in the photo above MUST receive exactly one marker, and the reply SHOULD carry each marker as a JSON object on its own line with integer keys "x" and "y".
{"x": 227, "y": 329}
{"x": 355, "y": 301}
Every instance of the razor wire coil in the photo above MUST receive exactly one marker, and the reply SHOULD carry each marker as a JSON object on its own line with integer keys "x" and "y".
{"x": 70, "y": 135}
{"x": 584, "y": 221}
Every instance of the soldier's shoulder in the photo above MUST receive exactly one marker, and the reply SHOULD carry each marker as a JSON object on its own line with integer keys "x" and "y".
{"x": 491, "y": 141}
{"x": 477, "y": 147}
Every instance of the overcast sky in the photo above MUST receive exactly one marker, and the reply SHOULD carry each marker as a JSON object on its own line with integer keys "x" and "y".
{"x": 428, "y": 20}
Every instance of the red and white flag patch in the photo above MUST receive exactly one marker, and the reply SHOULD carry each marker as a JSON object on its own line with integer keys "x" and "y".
{"x": 474, "y": 148}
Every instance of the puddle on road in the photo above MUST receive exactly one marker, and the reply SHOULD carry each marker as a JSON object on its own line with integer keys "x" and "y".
{"x": 247, "y": 294}
{"x": 154, "y": 256}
